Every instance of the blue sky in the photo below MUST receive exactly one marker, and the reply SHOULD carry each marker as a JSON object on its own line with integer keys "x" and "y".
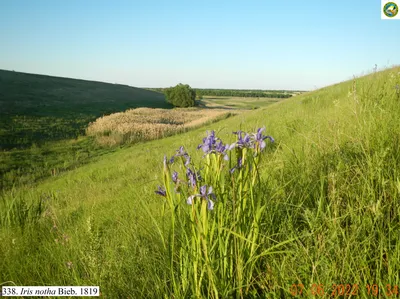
{"x": 206, "y": 44}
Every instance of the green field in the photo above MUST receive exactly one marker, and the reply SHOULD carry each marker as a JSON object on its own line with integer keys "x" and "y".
{"x": 43, "y": 121}
{"x": 329, "y": 191}
{"x": 37, "y": 108}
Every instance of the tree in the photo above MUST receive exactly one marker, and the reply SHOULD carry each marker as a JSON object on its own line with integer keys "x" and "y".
{"x": 182, "y": 95}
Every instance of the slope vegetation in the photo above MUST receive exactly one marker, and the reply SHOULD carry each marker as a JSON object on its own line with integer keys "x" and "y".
{"x": 331, "y": 181}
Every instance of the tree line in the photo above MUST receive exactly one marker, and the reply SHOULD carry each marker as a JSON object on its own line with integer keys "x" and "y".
{"x": 182, "y": 95}
{"x": 200, "y": 92}
{"x": 242, "y": 93}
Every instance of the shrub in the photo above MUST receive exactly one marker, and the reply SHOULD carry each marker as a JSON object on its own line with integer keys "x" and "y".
{"x": 182, "y": 95}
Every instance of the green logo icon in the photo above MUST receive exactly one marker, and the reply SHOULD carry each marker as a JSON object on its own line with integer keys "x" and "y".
{"x": 390, "y": 9}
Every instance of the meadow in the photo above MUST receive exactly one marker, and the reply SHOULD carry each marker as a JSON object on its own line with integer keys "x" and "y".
{"x": 43, "y": 120}
{"x": 321, "y": 216}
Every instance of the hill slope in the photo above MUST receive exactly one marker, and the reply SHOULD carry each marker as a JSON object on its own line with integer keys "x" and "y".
{"x": 332, "y": 184}
{"x": 37, "y": 108}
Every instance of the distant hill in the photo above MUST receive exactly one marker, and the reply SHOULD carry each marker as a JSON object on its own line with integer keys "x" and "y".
{"x": 36, "y": 108}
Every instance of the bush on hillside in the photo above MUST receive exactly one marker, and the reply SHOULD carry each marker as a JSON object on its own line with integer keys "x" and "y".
{"x": 182, "y": 95}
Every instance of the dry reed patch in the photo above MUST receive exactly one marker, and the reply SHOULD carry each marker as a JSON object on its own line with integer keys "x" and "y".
{"x": 149, "y": 123}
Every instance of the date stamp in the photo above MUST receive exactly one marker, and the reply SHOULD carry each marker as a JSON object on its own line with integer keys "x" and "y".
{"x": 334, "y": 290}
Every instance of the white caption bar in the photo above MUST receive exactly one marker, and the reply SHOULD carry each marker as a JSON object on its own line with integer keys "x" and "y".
{"x": 72, "y": 291}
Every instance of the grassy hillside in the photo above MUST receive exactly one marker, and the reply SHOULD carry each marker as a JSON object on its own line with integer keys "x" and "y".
{"x": 330, "y": 190}
{"x": 42, "y": 119}
{"x": 38, "y": 108}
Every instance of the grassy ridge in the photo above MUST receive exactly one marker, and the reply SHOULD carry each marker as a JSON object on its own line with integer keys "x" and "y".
{"x": 38, "y": 108}
{"x": 39, "y": 115}
{"x": 332, "y": 182}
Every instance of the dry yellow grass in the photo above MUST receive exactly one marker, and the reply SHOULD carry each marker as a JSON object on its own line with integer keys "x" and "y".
{"x": 147, "y": 123}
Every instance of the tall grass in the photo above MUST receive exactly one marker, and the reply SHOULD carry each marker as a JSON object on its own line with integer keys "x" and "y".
{"x": 215, "y": 245}
{"x": 329, "y": 185}
{"x": 21, "y": 211}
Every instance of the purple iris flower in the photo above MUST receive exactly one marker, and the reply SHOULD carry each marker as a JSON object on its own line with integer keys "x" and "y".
{"x": 204, "y": 194}
{"x": 221, "y": 149}
{"x": 187, "y": 162}
{"x": 246, "y": 139}
{"x": 201, "y": 144}
{"x": 251, "y": 141}
{"x": 192, "y": 177}
{"x": 259, "y": 133}
{"x": 242, "y": 142}
{"x": 232, "y": 146}
{"x": 208, "y": 143}
{"x": 182, "y": 153}
{"x": 211, "y": 137}
{"x": 175, "y": 177}
{"x": 212, "y": 144}
{"x": 161, "y": 191}
{"x": 259, "y": 139}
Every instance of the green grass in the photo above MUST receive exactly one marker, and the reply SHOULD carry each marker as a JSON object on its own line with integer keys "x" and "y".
{"x": 331, "y": 181}
{"x": 43, "y": 121}
{"x": 20, "y": 167}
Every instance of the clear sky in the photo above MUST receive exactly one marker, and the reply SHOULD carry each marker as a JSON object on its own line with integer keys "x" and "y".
{"x": 265, "y": 44}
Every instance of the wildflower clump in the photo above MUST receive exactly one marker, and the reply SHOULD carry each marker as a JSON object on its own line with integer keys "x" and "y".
{"x": 216, "y": 209}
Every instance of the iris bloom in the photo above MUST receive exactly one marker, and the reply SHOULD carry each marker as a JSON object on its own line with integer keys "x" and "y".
{"x": 259, "y": 139}
{"x": 221, "y": 149}
{"x": 204, "y": 195}
{"x": 243, "y": 141}
{"x": 175, "y": 177}
{"x": 182, "y": 153}
{"x": 212, "y": 144}
{"x": 255, "y": 141}
{"x": 161, "y": 191}
{"x": 193, "y": 177}
{"x": 208, "y": 142}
